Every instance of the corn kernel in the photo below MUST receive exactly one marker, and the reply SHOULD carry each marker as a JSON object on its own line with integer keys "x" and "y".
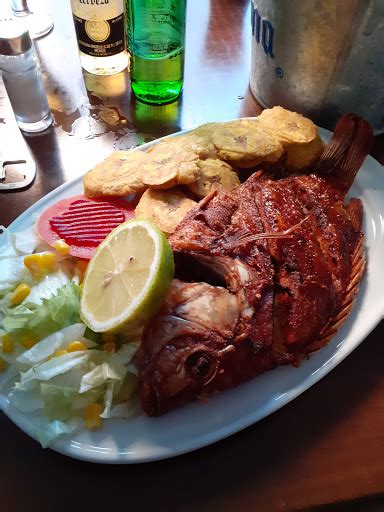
{"x": 110, "y": 346}
{"x": 7, "y": 344}
{"x": 61, "y": 352}
{"x": 49, "y": 260}
{"x": 75, "y": 346}
{"x": 92, "y": 416}
{"x": 61, "y": 247}
{"x": 81, "y": 267}
{"x": 108, "y": 337}
{"x": 20, "y": 293}
{"x": 41, "y": 264}
{"x": 27, "y": 341}
{"x": 3, "y": 365}
{"x": 33, "y": 264}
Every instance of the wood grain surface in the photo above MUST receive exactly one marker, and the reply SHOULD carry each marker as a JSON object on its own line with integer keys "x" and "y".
{"x": 326, "y": 448}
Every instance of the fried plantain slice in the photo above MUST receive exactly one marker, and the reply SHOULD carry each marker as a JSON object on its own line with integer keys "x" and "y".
{"x": 298, "y": 135}
{"x": 214, "y": 174}
{"x": 166, "y": 208}
{"x": 201, "y": 139}
{"x": 244, "y": 143}
{"x": 302, "y": 156}
{"x": 289, "y": 127}
{"x": 169, "y": 163}
{"x": 117, "y": 175}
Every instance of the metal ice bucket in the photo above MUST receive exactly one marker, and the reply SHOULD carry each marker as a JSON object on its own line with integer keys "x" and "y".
{"x": 320, "y": 57}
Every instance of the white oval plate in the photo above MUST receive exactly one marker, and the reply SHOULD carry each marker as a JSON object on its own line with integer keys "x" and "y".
{"x": 143, "y": 439}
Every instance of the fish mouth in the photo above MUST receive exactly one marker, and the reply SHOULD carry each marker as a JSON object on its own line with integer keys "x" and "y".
{"x": 199, "y": 268}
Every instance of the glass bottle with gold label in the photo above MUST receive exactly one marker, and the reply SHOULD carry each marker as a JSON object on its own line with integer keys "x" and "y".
{"x": 100, "y": 35}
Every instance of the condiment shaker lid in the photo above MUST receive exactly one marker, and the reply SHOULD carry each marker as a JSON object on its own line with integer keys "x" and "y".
{"x": 14, "y": 37}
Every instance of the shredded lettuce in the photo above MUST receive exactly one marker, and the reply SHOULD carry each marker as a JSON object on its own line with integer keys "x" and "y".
{"x": 127, "y": 388}
{"x": 22, "y": 242}
{"x": 26, "y": 400}
{"x": 56, "y": 341}
{"x": 8, "y": 379}
{"x": 48, "y": 286}
{"x": 27, "y": 241}
{"x": 12, "y": 255}
{"x": 62, "y": 403}
{"x": 119, "y": 391}
{"x": 53, "y": 367}
{"x": 108, "y": 367}
{"x": 38, "y": 321}
{"x": 58, "y": 388}
{"x": 127, "y": 351}
{"x": 48, "y": 433}
{"x": 13, "y": 272}
{"x": 62, "y": 386}
{"x": 105, "y": 372}
{"x": 58, "y": 401}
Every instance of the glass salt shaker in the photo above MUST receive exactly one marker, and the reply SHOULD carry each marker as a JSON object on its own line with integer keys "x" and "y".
{"x": 22, "y": 78}
{"x": 39, "y": 23}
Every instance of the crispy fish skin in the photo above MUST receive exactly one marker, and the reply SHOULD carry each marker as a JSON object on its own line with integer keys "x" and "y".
{"x": 117, "y": 175}
{"x": 285, "y": 289}
{"x": 332, "y": 240}
{"x": 214, "y": 174}
{"x": 304, "y": 297}
{"x": 165, "y": 208}
{"x": 244, "y": 143}
{"x": 210, "y": 234}
{"x": 290, "y": 250}
{"x": 170, "y": 163}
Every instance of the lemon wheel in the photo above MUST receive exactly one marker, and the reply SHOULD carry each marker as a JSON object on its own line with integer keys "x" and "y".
{"x": 127, "y": 278}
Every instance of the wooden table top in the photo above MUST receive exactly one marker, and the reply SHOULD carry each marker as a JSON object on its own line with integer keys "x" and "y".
{"x": 323, "y": 449}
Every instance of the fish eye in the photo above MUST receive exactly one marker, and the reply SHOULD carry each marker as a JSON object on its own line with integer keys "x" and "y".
{"x": 199, "y": 364}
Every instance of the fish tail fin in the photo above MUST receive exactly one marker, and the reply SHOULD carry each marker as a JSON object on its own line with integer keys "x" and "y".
{"x": 345, "y": 153}
{"x": 355, "y": 213}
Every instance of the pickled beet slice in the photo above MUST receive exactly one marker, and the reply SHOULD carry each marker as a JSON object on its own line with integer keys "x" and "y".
{"x": 82, "y": 222}
{"x": 83, "y": 219}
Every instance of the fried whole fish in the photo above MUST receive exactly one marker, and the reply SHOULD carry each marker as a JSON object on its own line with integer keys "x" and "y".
{"x": 268, "y": 273}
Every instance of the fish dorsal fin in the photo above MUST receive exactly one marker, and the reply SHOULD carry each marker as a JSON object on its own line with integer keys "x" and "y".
{"x": 345, "y": 153}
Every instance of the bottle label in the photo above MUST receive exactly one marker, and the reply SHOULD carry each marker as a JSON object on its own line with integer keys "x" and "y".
{"x": 99, "y": 26}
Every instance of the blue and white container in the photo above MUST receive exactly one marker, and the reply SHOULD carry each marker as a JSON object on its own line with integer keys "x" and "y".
{"x": 320, "y": 57}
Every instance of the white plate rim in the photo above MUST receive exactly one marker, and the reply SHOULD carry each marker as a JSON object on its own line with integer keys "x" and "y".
{"x": 69, "y": 446}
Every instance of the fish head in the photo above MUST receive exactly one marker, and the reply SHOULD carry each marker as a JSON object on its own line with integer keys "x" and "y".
{"x": 185, "y": 357}
{"x": 183, "y": 347}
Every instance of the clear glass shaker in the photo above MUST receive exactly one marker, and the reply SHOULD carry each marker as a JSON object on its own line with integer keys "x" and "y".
{"x": 22, "y": 77}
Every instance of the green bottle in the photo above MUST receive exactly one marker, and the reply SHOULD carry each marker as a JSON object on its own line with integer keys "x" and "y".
{"x": 155, "y": 39}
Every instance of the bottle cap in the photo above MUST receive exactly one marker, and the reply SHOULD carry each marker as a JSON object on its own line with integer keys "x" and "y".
{"x": 14, "y": 37}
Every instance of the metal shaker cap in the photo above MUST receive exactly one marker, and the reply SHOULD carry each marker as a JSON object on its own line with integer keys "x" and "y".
{"x": 14, "y": 37}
